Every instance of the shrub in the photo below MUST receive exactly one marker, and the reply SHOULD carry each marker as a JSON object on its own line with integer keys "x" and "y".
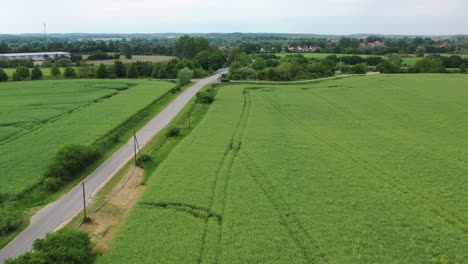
{"x": 21, "y": 73}
{"x": 3, "y": 76}
{"x": 63, "y": 62}
{"x": 52, "y": 184}
{"x": 462, "y": 68}
{"x": 173, "y": 132}
{"x": 205, "y": 97}
{"x": 132, "y": 71}
{"x": 387, "y": 67}
{"x": 360, "y": 68}
{"x": 71, "y": 160}
{"x": 65, "y": 246}
{"x": 69, "y": 72}
{"x": 428, "y": 65}
{"x": 9, "y": 221}
{"x": 101, "y": 72}
{"x": 99, "y": 55}
{"x": 142, "y": 159}
{"x": 36, "y": 73}
{"x": 184, "y": 76}
{"x": 55, "y": 71}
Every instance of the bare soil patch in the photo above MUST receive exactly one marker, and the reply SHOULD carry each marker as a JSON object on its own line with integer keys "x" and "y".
{"x": 105, "y": 222}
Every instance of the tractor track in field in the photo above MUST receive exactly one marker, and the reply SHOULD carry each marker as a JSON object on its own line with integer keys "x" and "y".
{"x": 227, "y": 163}
{"x": 198, "y": 212}
{"x": 441, "y": 213}
{"x": 308, "y": 246}
{"x": 39, "y": 124}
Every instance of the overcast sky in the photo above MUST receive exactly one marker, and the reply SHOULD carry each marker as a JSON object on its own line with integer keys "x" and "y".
{"x": 289, "y": 16}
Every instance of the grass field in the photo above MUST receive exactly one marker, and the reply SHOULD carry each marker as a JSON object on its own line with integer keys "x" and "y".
{"x": 38, "y": 118}
{"x": 359, "y": 170}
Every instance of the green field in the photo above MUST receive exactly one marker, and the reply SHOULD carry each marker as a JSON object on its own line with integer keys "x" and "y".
{"x": 367, "y": 169}
{"x": 37, "y": 118}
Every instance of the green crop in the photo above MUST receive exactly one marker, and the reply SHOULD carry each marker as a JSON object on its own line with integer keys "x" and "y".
{"x": 38, "y": 118}
{"x": 367, "y": 169}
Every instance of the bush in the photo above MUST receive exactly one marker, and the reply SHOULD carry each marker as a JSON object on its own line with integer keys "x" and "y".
{"x": 428, "y": 65}
{"x": 52, "y": 184}
{"x": 36, "y": 73}
{"x": 21, "y": 73}
{"x": 101, "y": 72}
{"x": 71, "y": 160}
{"x": 173, "y": 132}
{"x": 205, "y": 97}
{"x": 65, "y": 246}
{"x": 3, "y": 76}
{"x": 142, "y": 159}
{"x": 462, "y": 68}
{"x": 55, "y": 71}
{"x": 69, "y": 72}
{"x": 184, "y": 76}
{"x": 388, "y": 67}
{"x": 359, "y": 68}
{"x": 63, "y": 62}
{"x": 9, "y": 221}
{"x": 99, "y": 55}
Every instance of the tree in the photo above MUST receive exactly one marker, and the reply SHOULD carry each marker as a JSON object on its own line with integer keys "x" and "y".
{"x": 188, "y": 47}
{"x": 184, "y": 76}
{"x": 462, "y": 68}
{"x": 119, "y": 69}
{"x": 69, "y": 72}
{"x": 21, "y": 73}
{"x": 387, "y": 67}
{"x": 64, "y": 246}
{"x": 420, "y": 51}
{"x": 3, "y": 76}
{"x": 126, "y": 50}
{"x": 101, "y": 72}
{"x": 428, "y": 65}
{"x": 132, "y": 71}
{"x": 36, "y": 73}
{"x": 55, "y": 71}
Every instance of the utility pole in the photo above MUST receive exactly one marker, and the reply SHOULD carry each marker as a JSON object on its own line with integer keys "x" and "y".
{"x": 134, "y": 147}
{"x": 84, "y": 203}
{"x": 45, "y": 36}
{"x": 340, "y": 64}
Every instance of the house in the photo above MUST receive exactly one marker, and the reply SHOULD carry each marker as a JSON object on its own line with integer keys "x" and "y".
{"x": 36, "y": 56}
{"x": 375, "y": 44}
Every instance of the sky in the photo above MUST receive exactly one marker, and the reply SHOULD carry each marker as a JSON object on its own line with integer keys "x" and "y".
{"x": 335, "y": 17}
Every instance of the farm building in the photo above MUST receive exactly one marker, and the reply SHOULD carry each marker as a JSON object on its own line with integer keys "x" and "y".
{"x": 37, "y": 56}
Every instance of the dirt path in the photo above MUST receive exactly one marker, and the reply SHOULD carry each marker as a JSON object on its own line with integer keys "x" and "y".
{"x": 105, "y": 222}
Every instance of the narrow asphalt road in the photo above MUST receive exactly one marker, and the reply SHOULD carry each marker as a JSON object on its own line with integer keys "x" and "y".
{"x": 59, "y": 212}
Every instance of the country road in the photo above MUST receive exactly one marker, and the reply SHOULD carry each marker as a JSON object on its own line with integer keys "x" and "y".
{"x": 53, "y": 215}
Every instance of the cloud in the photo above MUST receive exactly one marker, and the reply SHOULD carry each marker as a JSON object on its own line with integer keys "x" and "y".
{"x": 311, "y": 16}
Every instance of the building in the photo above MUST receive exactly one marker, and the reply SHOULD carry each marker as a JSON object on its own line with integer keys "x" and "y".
{"x": 36, "y": 56}
{"x": 375, "y": 44}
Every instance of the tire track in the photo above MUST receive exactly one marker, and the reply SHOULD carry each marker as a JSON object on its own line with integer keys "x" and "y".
{"x": 227, "y": 163}
{"x": 302, "y": 238}
{"x": 452, "y": 221}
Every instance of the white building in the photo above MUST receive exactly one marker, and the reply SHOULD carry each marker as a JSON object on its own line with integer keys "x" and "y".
{"x": 37, "y": 56}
